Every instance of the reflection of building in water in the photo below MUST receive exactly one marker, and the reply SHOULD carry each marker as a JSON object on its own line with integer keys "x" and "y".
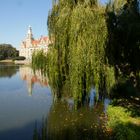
{"x": 32, "y": 77}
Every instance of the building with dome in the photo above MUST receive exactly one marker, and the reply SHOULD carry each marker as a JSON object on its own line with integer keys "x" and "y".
{"x": 30, "y": 45}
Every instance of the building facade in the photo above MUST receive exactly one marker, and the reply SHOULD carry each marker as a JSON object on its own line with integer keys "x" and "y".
{"x": 30, "y": 45}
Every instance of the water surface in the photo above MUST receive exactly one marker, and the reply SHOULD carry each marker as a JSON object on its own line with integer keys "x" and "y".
{"x": 30, "y": 109}
{"x": 25, "y": 99}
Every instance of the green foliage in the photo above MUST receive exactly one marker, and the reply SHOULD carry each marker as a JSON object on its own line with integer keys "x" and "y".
{"x": 131, "y": 104}
{"x": 52, "y": 68}
{"x": 110, "y": 78}
{"x": 19, "y": 58}
{"x": 87, "y": 47}
{"x": 78, "y": 56}
{"x": 124, "y": 36}
{"x": 124, "y": 89}
{"x": 124, "y": 127}
{"x": 39, "y": 60}
{"x": 7, "y": 51}
{"x": 117, "y": 114}
{"x": 92, "y": 45}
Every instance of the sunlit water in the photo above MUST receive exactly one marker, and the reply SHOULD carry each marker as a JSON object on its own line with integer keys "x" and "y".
{"x": 24, "y": 100}
{"x": 30, "y": 110}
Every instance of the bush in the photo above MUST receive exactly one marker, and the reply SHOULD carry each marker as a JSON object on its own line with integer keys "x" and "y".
{"x": 123, "y": 89}
{"x": 19, "y": 58}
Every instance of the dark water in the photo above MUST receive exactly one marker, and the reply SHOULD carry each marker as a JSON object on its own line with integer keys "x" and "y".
{"x": 30, "y": 110}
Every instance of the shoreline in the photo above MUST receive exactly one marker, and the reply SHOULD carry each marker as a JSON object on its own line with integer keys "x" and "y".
{"x": 7, "y": 61}
{"x": 23, "y": 62}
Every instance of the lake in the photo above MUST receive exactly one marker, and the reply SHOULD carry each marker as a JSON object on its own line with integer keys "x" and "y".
{"x": 29, "y": 109}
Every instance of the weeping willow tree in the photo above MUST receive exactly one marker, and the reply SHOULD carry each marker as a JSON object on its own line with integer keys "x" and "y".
{"x": 77, "y": 56}
{"x": 39, "y": 60}
{"x": 88, "y": 38}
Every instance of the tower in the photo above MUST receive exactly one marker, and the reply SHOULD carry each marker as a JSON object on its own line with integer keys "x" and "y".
{"x": 29, "y": 37}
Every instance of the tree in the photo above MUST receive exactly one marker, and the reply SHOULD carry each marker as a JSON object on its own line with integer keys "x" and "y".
{"x": 124, "y": 31}
{"x": 7, "y": 51}
{"x": 79, "y": 47}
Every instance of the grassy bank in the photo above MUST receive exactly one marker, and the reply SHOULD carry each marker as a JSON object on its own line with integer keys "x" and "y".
{"x": 123, "y": 123}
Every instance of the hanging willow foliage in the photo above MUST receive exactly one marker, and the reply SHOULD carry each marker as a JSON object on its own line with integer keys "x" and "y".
{"x": 88, "y": 36}
{"x": 77, "y": 57}
{"x": 39, "y": 60}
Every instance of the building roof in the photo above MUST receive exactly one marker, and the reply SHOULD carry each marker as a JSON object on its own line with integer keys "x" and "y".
{"x": 42, "y": 39}
{"x": 35, "y": 42}
{"x": 45, "y": 38}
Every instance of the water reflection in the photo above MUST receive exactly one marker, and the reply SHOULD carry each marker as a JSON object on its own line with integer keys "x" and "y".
{"x": 8, "y": 70}
{"x": 40, "y": 116}
{"x": 69, "y": 117}
{"x": 18, "y": 111}
{"x": 32, "y": 77}
{"x": 66, "y": 121}
{"x": 92, "y": 97}
{"x": 63, "y": 122}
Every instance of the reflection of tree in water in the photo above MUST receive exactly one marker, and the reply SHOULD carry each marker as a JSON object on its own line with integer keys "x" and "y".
{"x": 73, "y": 116}
{"x": 8, "y": 70}
{"x": 80, "y": 124}
{"x": 66, "y": 122}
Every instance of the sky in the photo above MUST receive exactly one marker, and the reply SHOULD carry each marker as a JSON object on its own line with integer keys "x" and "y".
{"x": 17, "y": 15}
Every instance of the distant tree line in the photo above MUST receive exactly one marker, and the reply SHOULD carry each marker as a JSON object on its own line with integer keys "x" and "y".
{"x": 7, "y": 51}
